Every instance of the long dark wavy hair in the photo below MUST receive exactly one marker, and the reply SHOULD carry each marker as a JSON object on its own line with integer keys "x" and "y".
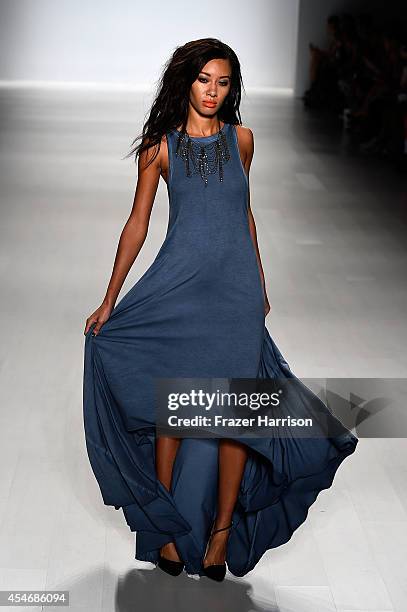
{"x": 170, "y": 106}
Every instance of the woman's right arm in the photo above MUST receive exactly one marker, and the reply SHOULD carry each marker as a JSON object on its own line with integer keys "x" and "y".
{"x": 132, "y": 237}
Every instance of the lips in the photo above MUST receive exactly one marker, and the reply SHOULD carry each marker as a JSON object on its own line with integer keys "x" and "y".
{"x": 210, "y": 104}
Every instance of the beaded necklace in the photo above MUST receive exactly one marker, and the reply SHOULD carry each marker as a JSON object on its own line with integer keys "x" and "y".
{"x": 203, "y": 159}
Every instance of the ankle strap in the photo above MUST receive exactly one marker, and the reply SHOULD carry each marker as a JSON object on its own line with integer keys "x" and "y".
{"x": 223, "y": 528}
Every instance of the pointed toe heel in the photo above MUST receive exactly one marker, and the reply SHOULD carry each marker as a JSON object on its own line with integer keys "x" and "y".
{"x": 216, "y": 571}
{"x": 174, "y": 568}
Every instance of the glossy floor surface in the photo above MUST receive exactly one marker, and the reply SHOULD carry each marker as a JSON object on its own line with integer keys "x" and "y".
{"x": 332, "y": 234}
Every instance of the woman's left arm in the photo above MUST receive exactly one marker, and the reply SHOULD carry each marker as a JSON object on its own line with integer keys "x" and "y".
{"x": 246, "y": 144}
{"x": 253, "y": 232}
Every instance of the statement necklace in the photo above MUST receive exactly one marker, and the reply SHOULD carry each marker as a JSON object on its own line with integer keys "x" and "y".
{"x": 203, "y": 159}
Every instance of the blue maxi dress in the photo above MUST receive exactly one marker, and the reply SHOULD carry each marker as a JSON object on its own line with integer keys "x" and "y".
{"x": 198, "y": 311}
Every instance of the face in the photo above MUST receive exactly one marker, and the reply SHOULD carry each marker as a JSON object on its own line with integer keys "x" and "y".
{"x": 211, "y": 87}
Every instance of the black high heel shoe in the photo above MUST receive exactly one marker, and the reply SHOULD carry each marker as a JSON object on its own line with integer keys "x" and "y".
{"x": 216, "y": 571}
{"x": 174, "y": 568}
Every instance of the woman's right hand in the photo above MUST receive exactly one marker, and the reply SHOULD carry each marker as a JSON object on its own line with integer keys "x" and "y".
{"x": 100, "y": 316}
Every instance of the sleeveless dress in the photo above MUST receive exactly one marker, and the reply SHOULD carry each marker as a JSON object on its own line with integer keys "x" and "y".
{"x": 198, "y": 311}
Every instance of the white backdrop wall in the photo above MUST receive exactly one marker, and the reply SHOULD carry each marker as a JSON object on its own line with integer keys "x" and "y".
{"x": 128, "y": 41}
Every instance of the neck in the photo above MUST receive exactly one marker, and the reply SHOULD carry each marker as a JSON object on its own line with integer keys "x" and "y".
{"x": 207, "y": 126}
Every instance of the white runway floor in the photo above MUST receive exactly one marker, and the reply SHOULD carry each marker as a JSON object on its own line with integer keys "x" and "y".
{"x": 332, "y": 234}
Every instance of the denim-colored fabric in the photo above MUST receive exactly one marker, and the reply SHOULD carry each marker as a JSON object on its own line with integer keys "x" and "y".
{"x": 198, "y": 311}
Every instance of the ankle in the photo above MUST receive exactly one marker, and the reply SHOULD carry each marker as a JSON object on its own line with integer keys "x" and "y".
{"x": 223, "y": 523}
{"x": 170, "y": 551}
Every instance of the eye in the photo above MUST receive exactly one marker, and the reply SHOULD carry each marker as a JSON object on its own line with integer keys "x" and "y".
{"x": 221, "y": 83}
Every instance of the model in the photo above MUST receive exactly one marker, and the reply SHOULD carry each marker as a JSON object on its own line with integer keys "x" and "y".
{"x": 198, "y": 311}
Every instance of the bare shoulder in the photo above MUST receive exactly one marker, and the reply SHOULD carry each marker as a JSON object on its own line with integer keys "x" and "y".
{"x": 245, "y": 137}
{"x": 246, "y": 142}
{"x": 245, "y": 134}
{"x": 163, "y": 153}
{"x": 150, "y": 156}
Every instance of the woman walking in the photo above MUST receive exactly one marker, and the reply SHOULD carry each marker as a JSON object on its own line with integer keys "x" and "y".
{"x": 198, "y": 311}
